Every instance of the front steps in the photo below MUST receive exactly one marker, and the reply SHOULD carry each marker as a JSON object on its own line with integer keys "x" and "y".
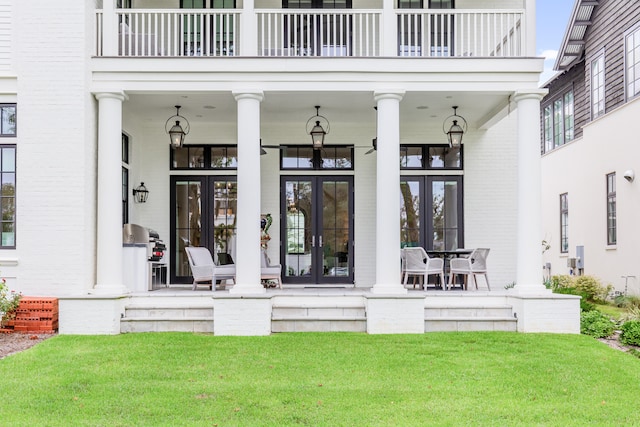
{"x": 331, "y": 313}
{"x": 462, "y": 312}
{"x": 309, "y": 311}
{"x": 171, "y": 314}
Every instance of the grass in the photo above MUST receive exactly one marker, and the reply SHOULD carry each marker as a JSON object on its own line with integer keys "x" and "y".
{"x": 329, "y": 379}
{"x": 611, "y": 310}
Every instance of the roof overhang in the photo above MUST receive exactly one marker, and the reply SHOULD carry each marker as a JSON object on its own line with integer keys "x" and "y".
{"x": 574, "y": 37}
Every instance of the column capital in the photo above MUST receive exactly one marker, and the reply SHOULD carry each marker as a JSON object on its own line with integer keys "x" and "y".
{"x": 396, "y": 94}
{"x": 258, "y": 95}
{"x": 535, "y": 94}
{"x": 118, "y": 94}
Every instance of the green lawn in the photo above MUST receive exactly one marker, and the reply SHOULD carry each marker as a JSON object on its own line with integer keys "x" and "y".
{"x": 441, "y": 379}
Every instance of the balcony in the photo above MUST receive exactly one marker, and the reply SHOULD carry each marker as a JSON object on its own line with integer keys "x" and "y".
{"x": 354, "y": 33}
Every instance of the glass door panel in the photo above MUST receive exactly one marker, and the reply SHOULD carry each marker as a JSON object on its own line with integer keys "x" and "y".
{"x": 225, "y": 206}
{"x": 410, "y": 213}
{"x": 335, "y": 228}
{"x": 188, "y": 222}
{"x": 298, "y": 234}
{"x": 445, "y": 205}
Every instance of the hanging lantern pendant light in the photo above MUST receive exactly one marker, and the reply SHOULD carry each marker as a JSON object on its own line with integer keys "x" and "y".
{"x": 177, "y": 132}
{"x": 318, "y": 132}
{"x": 455, "y": 132}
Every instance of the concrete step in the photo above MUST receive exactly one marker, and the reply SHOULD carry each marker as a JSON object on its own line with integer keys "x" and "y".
{"x": 168, "y": 318}
{"x": 468, "y": 317}
{"x": 318, "y": 315}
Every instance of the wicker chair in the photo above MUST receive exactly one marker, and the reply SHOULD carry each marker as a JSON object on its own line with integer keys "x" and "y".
{"x": 416, "y": 262}
{"x": 204, "y": 269}
{"x": 474, "y": 265}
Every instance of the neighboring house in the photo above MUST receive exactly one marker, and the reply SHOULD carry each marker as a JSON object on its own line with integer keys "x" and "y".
{"x": 94, "y": 87}
{"x": 590, "y": 153}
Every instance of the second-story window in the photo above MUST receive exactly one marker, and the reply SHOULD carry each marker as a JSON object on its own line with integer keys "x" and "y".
{"x": 564, "y": 223}
{"x": 612, "y": 237}
{"x": 597, "y": 87}
{"x": 632, "y": 62}
{"x": 559, "y": 121}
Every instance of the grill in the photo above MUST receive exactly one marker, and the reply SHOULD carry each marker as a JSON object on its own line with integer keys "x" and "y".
{"x": 134, "y": 233}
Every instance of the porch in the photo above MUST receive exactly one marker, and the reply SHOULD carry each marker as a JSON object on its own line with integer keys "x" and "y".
{"x": 356, "y": 33}
{"x": 313, "y": 309}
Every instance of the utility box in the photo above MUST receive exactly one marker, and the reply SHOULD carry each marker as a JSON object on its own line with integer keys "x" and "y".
{"x": 580, "y": 257}
{"x": 571, "y": 262}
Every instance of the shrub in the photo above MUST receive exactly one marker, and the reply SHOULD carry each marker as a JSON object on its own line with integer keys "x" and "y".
{"x": 584, "y": 304}
{"x": 630, "y": 333}
{"x": 596, "y": 324}
{"x": 592, "y": 288}
{"x": 561, "y": 281}
{"x": 632, "y": 313}
{"x": 627, "y": 301}
{"x": 9, "y": 301}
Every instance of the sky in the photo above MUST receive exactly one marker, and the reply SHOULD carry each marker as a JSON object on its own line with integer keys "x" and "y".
{"x": 551, "y": 23}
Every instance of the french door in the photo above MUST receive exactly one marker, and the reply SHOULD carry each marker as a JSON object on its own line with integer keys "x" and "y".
{"x": 431, "y": 212}
{"x": 317, "y": 229}
{"x": 204, "y": 212}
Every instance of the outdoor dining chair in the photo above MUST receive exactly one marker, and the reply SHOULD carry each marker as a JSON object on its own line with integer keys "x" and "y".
{"x": 269, "y": 271}
{"x": 416, "y": 262}
{"x": 474, "y": 265}
{"x": 204, "y": 270}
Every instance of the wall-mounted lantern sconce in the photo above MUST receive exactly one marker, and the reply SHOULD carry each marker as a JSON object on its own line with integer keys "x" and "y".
{"x": 141, "y": 193}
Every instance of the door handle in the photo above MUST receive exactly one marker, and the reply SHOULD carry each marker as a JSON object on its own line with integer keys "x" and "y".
{"x": 320, "y": 245}
{"x": 313, "y": 241}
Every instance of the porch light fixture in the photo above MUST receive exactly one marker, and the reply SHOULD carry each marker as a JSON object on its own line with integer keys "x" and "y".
{"x": 141, "y": 193}
{"x": 177, "y": 132}
{"x": 456, "y": 130}
{"x": 318, "y": 132}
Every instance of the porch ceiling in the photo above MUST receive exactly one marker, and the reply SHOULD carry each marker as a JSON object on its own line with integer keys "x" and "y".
{"x": 296, "y": 107}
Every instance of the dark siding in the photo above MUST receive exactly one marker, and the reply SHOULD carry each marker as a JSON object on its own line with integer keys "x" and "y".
{"x": 611, "y": 19}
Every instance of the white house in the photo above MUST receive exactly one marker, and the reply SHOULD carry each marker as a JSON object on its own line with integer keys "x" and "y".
{"x": 95, "y": 86}
{"x": 590, "y": 155}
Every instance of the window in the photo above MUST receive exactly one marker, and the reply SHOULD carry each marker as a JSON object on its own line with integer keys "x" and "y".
{"x": 612, "y": 237}
{"x": 125, "y": 178}
{"x": 597, "y": 87}
{"x": 305, "y": 157}
{"x": 7, "y": 120}
{"x": 430, "y": 157}
{"x": 559, "y": 119}
{"x": 205, "y": 157}
{"x": 632, "y": 62}
{"x": 564, "y": 223}
{"x": 8, "y": 196}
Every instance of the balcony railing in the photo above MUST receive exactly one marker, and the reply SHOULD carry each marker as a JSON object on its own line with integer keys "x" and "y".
{"x": 310, "y": 32}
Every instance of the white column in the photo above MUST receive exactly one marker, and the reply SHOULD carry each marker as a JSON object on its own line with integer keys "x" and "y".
{"x": 530, "y": 28}
{"x": 388, "y": 193}
{"x": 389, "y": 24}
{"x": 529, "y": 238}
{"x": 109, "y": 28}
{"x": 249, "y": 25}
{"x": 248, "y": 215}
{"x": 109, "y": 210}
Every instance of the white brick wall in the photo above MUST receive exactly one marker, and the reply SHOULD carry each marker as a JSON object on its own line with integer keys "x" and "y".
{"x": 56, "y": 148}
